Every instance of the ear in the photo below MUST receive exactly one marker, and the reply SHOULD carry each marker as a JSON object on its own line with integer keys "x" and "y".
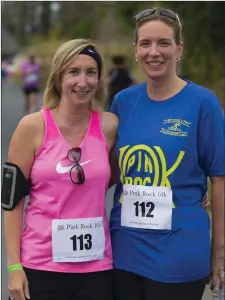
{"x": 180, "y": 49}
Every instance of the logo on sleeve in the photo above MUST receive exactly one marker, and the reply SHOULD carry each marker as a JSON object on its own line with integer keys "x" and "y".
{"x": 175, "y": 127}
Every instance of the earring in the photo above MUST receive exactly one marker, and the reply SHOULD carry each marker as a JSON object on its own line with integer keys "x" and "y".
{"x": 137, "y": 60}
{"x": 178, "y": 59}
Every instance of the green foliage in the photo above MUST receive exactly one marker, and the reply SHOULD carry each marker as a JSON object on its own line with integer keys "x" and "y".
{"x": 56, "y": 32}
{"x": 126, "y": 11}
{"x": 83, "y": 28}
{"x": 203, "y": 30}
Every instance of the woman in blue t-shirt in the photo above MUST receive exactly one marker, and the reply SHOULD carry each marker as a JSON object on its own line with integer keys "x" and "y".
{"x": 170, "y": 141}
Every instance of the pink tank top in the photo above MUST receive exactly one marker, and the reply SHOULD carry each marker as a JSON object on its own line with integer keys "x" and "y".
{"x": 54, "y": 196}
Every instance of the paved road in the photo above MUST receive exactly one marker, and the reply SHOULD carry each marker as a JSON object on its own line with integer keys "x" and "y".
{"x": 12, "y": 112}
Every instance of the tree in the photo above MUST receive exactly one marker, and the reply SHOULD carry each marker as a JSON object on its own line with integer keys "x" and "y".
{"x": 45, "y": 18}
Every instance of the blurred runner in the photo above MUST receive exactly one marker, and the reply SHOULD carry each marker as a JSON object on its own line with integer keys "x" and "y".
{"x": 6, "y": 68}
{"x": 119, "y": 77}
{"x": 31, "y": 84}
{"x": 3, "y": 70}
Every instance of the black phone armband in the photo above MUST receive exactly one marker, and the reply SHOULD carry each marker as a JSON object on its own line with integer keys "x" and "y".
{"x": 14, "y": 186}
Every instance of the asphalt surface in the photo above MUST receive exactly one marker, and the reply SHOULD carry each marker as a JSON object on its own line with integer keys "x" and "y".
{"x": 12, "y": 112}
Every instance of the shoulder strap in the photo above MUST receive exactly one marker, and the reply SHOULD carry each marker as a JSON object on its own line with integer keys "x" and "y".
{"x": 96, "y": 127}
{"x": 51, "y": 131}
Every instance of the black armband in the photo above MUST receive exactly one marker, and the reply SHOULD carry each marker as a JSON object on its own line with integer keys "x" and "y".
{"x": 14, "y": 186}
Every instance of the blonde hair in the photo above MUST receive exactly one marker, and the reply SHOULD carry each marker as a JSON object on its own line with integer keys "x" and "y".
{"x": 62, "y": 58}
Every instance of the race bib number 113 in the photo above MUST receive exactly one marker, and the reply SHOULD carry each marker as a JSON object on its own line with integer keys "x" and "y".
{"x": 78, "y": 240}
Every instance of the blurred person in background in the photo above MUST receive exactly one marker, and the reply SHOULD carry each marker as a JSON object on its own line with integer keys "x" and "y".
{"x": 64, "y": 251}
{"x": 119, "y": 77}
{"x": 170, "y": 141}
{"x": 31, "y": 83}
{"x": 7, "y": 68}
{"x": 3, "y": 70}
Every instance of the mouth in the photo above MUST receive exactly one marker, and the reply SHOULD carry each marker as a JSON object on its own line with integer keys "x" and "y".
{"x": 81, "y": 93}
{"x": 155, "y": 63}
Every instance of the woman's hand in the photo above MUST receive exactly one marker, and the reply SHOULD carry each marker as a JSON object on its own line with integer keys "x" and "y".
{"x": 205, "y": 201}
{"x": 217, "y": 269}
{"x": 18, "y": 285}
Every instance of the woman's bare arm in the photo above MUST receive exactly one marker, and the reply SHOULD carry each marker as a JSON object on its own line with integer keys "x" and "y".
{"x": 217, "y": 257}
{"x": 110, "y": 127}
{"x": 217, "y": 191}
{"x": 21, "y": 152}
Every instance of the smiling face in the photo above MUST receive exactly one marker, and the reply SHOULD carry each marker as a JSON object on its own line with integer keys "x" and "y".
{"x": 80, "y": 80}
{"x": 156, "y": 49}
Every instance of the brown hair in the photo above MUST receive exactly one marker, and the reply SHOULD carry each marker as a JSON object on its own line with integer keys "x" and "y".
{"x": 63, "y": 57}
{"x": 175, "y": 24}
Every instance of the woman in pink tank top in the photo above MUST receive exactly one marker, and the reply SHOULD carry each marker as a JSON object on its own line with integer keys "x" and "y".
{"x": 64, "y": 251}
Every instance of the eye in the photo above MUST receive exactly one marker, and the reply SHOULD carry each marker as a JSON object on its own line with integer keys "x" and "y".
{"x": 92, "y": 72}
{"x": 164, "y": 43}
{"x": 74, "y": 71}
{"x": 144, "y": 44}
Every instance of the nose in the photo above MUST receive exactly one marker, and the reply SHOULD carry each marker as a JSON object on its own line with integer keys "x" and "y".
{"x": 82, "y": 81}
{"x": 153, "y": 50}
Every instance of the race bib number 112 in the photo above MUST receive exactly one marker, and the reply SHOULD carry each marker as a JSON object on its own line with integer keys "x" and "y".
{"x": 146, "y": 207}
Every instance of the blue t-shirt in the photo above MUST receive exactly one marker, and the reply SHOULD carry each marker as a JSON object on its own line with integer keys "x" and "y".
{"x": 176, "y": 143}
